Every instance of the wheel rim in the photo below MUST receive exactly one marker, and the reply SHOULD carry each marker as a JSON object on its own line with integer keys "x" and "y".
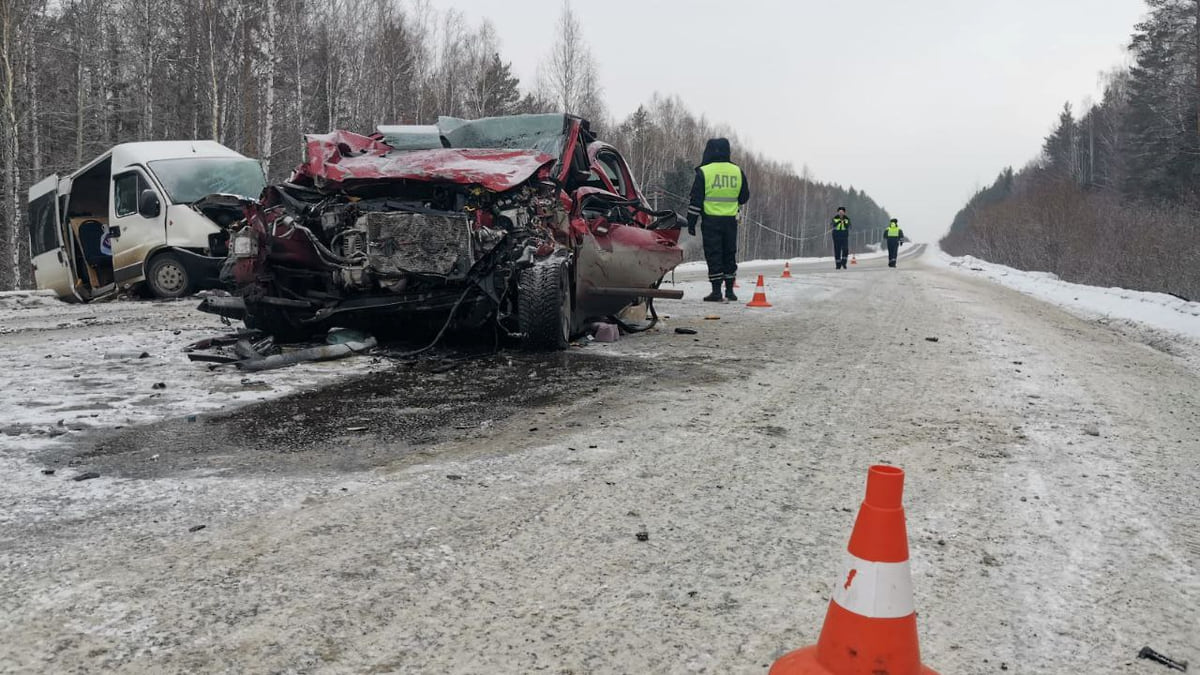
{"x": 169, "y": 277}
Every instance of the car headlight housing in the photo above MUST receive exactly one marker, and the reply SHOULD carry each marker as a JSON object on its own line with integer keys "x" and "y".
{"x": 245, "y": 244}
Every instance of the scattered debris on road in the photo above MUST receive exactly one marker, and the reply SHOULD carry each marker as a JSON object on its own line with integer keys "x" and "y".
{"x": 606, "y": 332}
{"x": 196, "y": 528}
{"x": 643, "y": 536}
{"x": 250, "y": 350}
{"x": 114, "y": 356}
{"x": 686, "y": 331}
{"x": 1151, "y": 655}
{"x": 86, "y": 476}
{"x": 931, "y": 339}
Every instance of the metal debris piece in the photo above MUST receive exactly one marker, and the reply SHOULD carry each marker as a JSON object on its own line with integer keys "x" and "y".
{"x": 1151, "y": 655}
{"x": 86, "y": 476}
{"x": 322, "y": 353}
{"x": 686, "y": 331}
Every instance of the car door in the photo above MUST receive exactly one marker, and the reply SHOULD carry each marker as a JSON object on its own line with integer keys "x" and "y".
{"x": 139, "y": 235}
{"x": 52, "y": 263}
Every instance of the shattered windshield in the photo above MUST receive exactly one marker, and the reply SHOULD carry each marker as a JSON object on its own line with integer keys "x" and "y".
{"x": 545, "y": 132}
{"x": 187, "y": 180}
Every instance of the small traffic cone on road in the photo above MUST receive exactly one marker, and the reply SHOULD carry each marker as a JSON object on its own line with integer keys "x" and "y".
{"x": 853, "y": 259}
{"x": 787, "y": 270}
{"x": 871, "y": 625}
{"x": 760, "y": 295}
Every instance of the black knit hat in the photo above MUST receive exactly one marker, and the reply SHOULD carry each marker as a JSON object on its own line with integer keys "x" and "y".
{"x": 894, "y": 220}
{"x": 841, "y": 208}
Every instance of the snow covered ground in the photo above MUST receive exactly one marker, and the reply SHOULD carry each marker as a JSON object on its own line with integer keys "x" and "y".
{"x": 1048, "y": 460}
{"x": 69, "y": 368}
{"x": 1157, "y": 311}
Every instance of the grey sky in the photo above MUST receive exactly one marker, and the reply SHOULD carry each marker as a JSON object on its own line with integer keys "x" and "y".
{"x": 919, "y": 102}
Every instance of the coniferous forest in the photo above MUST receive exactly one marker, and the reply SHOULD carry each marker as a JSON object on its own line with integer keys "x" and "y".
{"x": 1114, "y": 197}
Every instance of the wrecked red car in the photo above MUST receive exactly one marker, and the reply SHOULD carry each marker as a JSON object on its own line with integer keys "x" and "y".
{"x": 526, "y": 224}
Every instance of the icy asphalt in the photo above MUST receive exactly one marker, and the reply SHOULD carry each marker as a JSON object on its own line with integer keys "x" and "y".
{"x": 486, "y": 518}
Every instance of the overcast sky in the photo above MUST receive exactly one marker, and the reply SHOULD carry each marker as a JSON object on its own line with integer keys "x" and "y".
{"x": 919, "y": 102}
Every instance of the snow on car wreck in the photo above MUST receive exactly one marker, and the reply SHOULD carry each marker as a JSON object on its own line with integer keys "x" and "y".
{"x": 526, "y": 225}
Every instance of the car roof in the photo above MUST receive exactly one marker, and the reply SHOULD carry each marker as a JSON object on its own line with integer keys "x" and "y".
{"x": 129, "y": 154}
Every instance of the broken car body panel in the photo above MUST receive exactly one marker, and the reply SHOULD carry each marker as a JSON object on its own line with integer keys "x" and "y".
{"x": 342, "y": 157}
{"x": 461, "y": 228}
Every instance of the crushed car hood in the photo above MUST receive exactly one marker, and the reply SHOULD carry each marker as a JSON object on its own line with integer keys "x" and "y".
{"x": 341, "y": 157}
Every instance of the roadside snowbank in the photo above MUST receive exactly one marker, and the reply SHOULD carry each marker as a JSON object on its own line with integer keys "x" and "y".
{"x": 1154, "y": 310}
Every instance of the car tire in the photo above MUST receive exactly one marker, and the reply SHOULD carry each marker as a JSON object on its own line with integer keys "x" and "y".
{"x": 167, "y": 277}
{"x": 544, "y": 305}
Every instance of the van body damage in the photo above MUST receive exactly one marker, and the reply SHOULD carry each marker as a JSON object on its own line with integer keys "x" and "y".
{"x": 532, "y": 229}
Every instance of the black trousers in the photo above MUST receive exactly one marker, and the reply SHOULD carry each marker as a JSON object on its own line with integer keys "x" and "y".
{"x": 841, "y": 247}
{"x": 720, "y": 246}
{"x": 893, "y": 244}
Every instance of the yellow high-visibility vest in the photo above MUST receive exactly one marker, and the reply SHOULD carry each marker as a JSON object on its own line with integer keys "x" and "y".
{"x": 893, "y": 230}
{"x": 722, "y": 185}
{"x": 840, "y": 222}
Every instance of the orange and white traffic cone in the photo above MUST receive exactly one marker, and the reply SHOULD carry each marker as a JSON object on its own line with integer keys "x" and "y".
{"x": 853, "y": 259}
{"x": 760, "y": 295}
{"x": 871, "y": 625}
{"x": 787, "y": 270}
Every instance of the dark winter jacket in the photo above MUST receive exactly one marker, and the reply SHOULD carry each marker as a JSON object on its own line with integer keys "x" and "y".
{"x": 716, "y": 150}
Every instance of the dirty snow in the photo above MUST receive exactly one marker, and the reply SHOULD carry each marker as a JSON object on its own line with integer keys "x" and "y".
{"x": 69, "y": 368}
{"x": 1050, "y": 512}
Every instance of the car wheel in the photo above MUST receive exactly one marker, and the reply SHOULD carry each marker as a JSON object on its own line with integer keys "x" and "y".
{"x": 167, "y": 277}
{"x": 544, "y": 305}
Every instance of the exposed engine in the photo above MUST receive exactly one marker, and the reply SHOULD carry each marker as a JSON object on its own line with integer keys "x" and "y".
{"x": 439, "y": 238}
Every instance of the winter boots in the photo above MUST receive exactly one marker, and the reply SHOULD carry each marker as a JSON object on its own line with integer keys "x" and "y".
{"x": 729, "y": 295}
{"x": 715, "y": 296}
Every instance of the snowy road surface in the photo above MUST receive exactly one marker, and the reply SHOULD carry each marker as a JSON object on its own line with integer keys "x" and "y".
{"x": 484, "y": 519}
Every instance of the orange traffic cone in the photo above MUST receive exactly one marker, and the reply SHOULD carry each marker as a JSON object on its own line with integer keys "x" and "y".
{"x": 853, "y": 259}
{"x": 760, "y": 295}
{"x": 787, "y": 270}
{"x": 871, "y": 625}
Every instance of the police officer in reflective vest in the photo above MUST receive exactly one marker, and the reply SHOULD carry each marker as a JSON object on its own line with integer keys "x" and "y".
{"x": 893, "y": 235}
{"x": 718, "y": 192}
{"x": 840, "y": 227}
